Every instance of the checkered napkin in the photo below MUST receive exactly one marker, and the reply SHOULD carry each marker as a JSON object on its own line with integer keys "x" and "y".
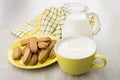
{"x": 48, "y": 23}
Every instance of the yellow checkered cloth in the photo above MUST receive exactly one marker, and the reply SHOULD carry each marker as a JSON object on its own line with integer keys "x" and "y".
{"x": 47, "y": 23}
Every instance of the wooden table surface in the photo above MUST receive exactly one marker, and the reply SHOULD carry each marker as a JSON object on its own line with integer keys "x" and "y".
{"x": 15, "y": 12}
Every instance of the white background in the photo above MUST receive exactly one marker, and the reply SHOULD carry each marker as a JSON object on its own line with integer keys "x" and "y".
{"x": 15, "y": 12}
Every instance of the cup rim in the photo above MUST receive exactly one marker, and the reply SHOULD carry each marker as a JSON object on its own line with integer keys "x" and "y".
{"x": 71, "y": 37}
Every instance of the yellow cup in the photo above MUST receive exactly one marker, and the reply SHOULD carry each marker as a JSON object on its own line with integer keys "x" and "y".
{"x": 79, "y": 65}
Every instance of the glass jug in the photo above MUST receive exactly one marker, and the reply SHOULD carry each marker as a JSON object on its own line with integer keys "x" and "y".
{"x": 79, "y": 21}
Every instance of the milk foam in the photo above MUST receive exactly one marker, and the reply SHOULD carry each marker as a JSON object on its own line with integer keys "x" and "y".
{"x": 76, "y": 47}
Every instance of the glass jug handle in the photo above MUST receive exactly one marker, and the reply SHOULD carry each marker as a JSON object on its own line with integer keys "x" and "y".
{"x": 94, "y": 23}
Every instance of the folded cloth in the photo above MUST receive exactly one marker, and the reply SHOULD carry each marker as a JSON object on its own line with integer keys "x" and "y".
{"x": 49, "y": 24}
{"x": 26, "y": 27}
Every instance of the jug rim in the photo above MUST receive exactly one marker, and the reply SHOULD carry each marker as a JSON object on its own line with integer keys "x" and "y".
{"x": 70, "y": 6}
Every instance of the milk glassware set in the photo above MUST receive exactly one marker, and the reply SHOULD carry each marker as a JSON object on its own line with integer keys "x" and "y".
{"x": 76, "y": 51}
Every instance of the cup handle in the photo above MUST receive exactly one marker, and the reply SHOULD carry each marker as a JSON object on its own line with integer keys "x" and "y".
{"x": 94, "y": 23}
{"x": 95, "y": 65}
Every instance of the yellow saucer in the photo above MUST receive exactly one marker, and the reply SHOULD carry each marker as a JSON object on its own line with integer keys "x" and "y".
{"x": 19, "y": 64}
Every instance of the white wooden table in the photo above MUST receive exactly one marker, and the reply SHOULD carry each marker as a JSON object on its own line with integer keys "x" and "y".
{"x": 15, "y": 12}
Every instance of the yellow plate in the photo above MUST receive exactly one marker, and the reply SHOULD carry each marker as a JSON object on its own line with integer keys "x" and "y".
{"x": 19, "y": 64}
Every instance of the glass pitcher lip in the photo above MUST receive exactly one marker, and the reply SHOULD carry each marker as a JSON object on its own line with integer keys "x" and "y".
{"x": 68, "y": 5}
